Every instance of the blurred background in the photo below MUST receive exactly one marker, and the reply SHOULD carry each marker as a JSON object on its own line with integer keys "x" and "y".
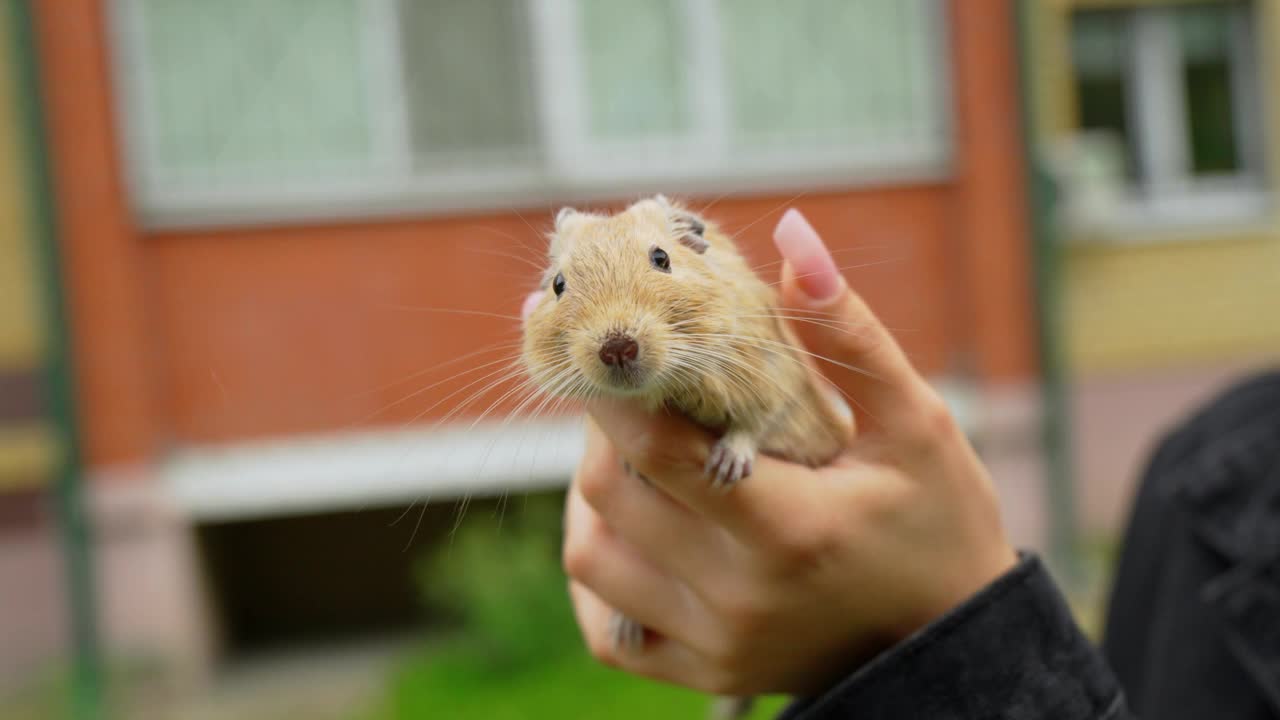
{"x": 261, "y": 261}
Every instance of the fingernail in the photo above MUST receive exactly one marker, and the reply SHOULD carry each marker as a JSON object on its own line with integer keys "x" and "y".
{"x": 530, "y": 303}
{"x": 800, "y": 245}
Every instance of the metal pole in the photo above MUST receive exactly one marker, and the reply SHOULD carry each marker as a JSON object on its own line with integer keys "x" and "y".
{"x": 69, "y": 501}
{"x": 1055, "y": 418}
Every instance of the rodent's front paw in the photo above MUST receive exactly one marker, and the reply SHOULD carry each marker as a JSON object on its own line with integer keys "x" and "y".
{"x": 625, "y": 634}
{"x": 730, "y": 460}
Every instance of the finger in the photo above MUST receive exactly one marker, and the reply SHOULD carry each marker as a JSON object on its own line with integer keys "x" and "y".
{"x": 851, "y": 347}
{"x": 661, "y": 658}
{"x": 598, "y": 559}
{"x": 672, "y": 451}
{"x": 671, "y": 535}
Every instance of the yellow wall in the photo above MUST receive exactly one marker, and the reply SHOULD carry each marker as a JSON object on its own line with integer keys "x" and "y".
{"x": 20, "y": 329}
{"x": 1168, "y": 304}
{"x": 1161, "y": 301}
{"x": 28, "y": 449}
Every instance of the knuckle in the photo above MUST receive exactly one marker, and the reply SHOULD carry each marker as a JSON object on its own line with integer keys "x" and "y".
{"x": 801, "y": 548}
{"x": 601, "y": 460}
{"x": 934, "y": 425}
{"x": 657, "y": 453}
{"x": 723, "y": 681}
{"x": 643, "y": 443}
{"x": 878, "y": 506}
{"x": 937, "y": 418}
{"x": 601, "y": 648}
{"x": 578, "y": 558}
{"x": 743, "y": 617}
{"x": 595, "y": 482}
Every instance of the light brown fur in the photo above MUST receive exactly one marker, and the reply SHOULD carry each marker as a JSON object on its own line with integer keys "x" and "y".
{"x": 760, "y": 386}
{"x": 711, "y": 345}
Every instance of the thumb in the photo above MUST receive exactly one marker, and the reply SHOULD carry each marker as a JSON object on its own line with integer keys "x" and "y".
{"x": 850, "y": 345}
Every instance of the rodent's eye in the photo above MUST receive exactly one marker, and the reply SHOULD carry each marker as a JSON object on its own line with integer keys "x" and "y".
{"x": 659, "y": 258}
{"x": 558, "y": 284}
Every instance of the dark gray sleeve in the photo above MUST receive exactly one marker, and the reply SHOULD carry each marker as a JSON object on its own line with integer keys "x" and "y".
{"x": 1011, "y": 651}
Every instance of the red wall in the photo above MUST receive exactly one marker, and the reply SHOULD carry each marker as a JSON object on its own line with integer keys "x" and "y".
{"x": 230, "y": 334}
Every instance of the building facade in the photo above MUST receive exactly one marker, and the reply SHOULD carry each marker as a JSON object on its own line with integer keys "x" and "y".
{"x": 273, "y": 214}
{"x": 1163, "y": 118}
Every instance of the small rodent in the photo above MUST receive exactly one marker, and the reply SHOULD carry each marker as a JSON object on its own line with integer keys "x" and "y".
{"x": 657, "y": 303}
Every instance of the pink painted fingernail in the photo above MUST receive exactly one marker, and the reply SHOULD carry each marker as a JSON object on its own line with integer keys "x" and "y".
{"x": 530, "y": 303}
{"x": 800, "y": 245}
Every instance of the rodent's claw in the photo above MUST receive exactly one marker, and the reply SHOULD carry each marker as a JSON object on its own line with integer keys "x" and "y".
{"x": 625, "y": 634}
{"x": 730, "y": 460}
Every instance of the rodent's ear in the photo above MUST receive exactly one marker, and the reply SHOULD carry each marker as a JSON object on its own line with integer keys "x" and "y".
{"x": 566, "y": 219}
{"x": 690, "y": 231}
{"x": 563, "y": 216}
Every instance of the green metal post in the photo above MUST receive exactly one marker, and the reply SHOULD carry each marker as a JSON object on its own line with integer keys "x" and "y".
{"x": 1055, "y": 424}
{"x": 87, "y": 669}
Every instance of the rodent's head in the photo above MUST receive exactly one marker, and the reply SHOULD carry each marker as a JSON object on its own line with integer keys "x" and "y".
{"x": 629, "y": 300}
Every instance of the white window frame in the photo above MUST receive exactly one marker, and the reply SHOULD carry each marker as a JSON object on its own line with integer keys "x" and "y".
{"x": 1171, "y": 197}
{"x": 573, "y": 171}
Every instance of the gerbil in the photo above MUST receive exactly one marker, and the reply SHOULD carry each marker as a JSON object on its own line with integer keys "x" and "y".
{"x": 656, "y": 303}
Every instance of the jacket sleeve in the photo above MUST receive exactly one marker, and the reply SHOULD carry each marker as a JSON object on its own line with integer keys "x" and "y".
{"x": 1011, "y": 651}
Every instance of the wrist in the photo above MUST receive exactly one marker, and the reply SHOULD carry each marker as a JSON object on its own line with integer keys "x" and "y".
{"x": 953, "y": 590}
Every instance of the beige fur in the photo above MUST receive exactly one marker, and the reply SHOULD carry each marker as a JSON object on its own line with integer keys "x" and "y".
{"x": 758, "y": 392}
{"x": 766, "y": 392}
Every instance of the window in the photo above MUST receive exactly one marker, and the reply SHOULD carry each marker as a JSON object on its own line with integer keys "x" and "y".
{"x": 1171, "y": 94}
{"x": 245, "y": 108}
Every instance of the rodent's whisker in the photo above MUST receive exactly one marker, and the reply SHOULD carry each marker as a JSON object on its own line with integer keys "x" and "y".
{"x": 557, "y": 406}
{"x": 522, "y": 240}
{"x": 828, "y": 317}
{"x": 512, "y": 372}
{"x": 416, "y": 526}
{"x": 530, "y": 394}
{"x": 836, "y": 252}
{"x": 419, "y": 391}
{"x": 718, "y": 198}
{"x": 406, "y": 511}
{"x": 783, "y": 350}
{"x": 773, "y": 210}
{"x": 512, "y": 256}
{"x": 437, "y": 366}
{"x": 524, "y": 387}
{"x": 510, "y": 363}
{"x": 716, "y": 365}
{"x": 853, "y": 402}
{"x": 760, "y": 342}
{"x": 451, "y": 311}
{"x": 533, "y": 393}
{"x": 508, "y": 374}
{"x": 526, "y": 222}
{"x": 828, "y": 324}
{"x": 842, "y": 268}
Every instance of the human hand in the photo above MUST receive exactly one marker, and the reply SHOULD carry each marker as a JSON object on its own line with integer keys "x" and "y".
{"x": 798, "y": 574}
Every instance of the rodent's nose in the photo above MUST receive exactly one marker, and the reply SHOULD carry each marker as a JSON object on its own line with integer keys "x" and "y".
{"x": 618, "y": 350}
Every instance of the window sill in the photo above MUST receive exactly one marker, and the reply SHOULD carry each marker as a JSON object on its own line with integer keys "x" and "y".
{"x": 165, "y": 206}
{"x": 306, "y": 474}
{"x": 1238, "y": 214}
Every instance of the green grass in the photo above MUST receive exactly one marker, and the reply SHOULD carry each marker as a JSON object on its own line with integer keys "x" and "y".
{"x": 569, "y": 686}
{"x": 514, "y": 651}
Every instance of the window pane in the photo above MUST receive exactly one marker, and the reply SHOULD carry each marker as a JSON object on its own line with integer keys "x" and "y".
{"x": 855, "y": 73}
{"x": 253, "y": 89}
{"x": 1204, "y": 33}
{"x": 636, "y": 65}
{"x": 1100, "y": 53}
{"x": 468, "y": 81}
